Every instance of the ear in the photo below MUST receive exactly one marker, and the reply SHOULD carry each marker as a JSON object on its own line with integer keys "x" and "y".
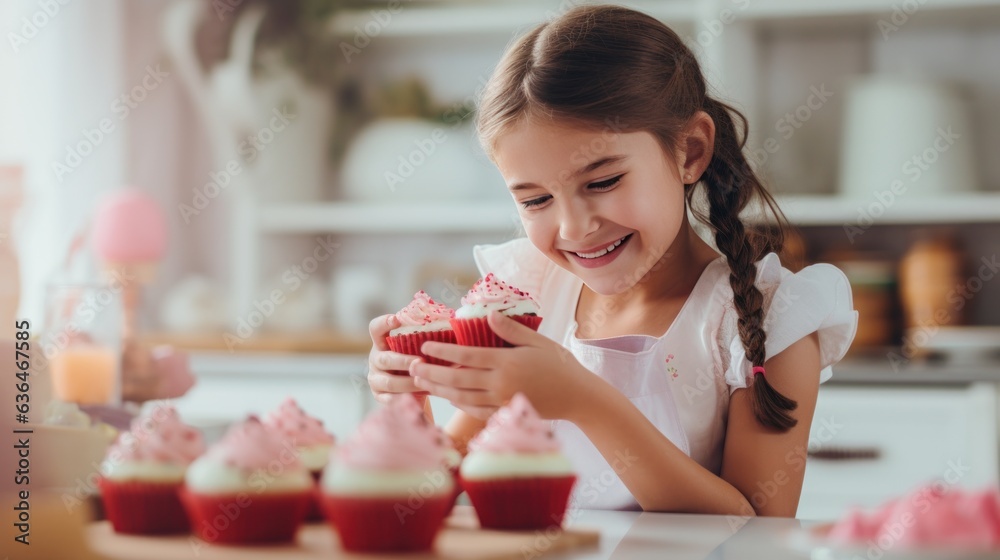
{"x": 695, "y": 147}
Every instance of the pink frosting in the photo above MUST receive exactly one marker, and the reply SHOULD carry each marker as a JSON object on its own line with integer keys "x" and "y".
{"x": 929, "y": 517}
{"x": 250, "y": 445}
{"x": 516, "y": 428}
{"x": 396, "y": 436}
{"x": 492, "y": 290}
{"x": 129, "y": 227}
{"x": 159, "y": 436}
{"x": 295, "y": 425}
{"x": 423, "y": 311}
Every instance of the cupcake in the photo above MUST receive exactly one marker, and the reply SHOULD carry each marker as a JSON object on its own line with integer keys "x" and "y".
{"x": 250, "y": 487}
{"x": 515, "y": 474}
{"x": 144, "y": 471}
{"x": 487, "y": 295}
{"x": 305, "y": 433}
{"x": 311, "y": 441}
{"x": 386, "y": 488}
{"x": 421, "y": 320}
{"x": 935, "y": 517}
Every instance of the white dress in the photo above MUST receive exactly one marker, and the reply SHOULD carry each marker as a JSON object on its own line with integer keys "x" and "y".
{"x": 683, "y": 379}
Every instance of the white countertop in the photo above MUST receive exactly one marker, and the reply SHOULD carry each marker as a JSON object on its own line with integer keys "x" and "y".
{"x": 638, "y": 535}
{"x": 623, "y": 535}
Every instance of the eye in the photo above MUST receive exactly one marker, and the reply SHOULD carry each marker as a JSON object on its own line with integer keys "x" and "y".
{"x": 536, "y": 201}
{"x": 605, "y": 185}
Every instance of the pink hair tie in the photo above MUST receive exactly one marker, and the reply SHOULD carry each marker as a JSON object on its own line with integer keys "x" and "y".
{"x": 758, "y": 370}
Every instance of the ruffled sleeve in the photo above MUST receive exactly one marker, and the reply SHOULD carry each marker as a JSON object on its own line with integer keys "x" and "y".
{"x": 516, "y": 262}
{"x": 816, "y": 299}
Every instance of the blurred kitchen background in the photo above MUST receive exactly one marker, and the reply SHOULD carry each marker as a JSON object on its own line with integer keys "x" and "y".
{"x": 315, "y": 164}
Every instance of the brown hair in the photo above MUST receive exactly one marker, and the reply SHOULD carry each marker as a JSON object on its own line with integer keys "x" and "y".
{"x": 605, "y": 66}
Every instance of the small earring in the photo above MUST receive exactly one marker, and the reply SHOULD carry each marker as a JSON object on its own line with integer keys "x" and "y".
{"x": 687, "y": 177}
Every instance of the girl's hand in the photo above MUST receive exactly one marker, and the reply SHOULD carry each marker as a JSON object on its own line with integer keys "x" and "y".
{"x": 381, "y": 361}
{"x": 546, "y": 372}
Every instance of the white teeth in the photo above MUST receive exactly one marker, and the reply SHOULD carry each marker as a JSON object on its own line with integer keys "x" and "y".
{"x": 602, "y": 252}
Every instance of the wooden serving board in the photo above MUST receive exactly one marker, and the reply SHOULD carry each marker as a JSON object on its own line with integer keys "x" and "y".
{"x": 460, "y": 539}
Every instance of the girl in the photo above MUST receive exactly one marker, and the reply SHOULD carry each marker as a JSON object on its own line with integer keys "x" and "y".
{"x": 678, "y": 379}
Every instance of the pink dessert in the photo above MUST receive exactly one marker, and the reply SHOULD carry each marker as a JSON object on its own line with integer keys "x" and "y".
{"x": 515, "y": 474}
{"x": 173, "y": 369}
{"x": 516, "y": 428}
{"x": 304, "y": 432}
{"x": 422, "y": 320}
{"x": 311, "y": 440}
{"x": 933, "y": 517}
{"x": 423, "y": 314}
{"x": 130, "y": 227}
{"x": 487, "y": 295}
{"x": 249, "y": 447}
{"x": 386, "y": 488}
{"x": 393, "y": 438}
{"x": 156, "y": 436}
{"x": 492, "y": 294}
{"x": 144, "y": 470}
{"x": 254, "y": 471}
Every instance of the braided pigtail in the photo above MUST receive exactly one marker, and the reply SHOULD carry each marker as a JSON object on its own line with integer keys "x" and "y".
{"x": 730, "y": 185}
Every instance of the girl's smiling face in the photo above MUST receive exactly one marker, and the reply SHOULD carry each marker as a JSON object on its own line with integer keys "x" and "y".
{"x": 601, "y": 204}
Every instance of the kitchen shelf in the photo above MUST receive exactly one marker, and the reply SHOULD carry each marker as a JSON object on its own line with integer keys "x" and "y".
{"x": 367, "y": 218}
{"x": 320, "y": 342}
{"x": 828, "y": 210}
{"x": 871, "y": 370}
{"x": 759, "y": 10}
{"x": 459, "y": 18}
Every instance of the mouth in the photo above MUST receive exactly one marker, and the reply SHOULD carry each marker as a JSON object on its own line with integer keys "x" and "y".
{"x": 601, "y": 252}
{"x": 601, "y": 256}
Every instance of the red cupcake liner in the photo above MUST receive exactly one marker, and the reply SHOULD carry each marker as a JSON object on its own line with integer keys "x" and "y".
{"x": 458, "y": 488}
{"x": 246, "y": 517}
{"x": 520, "y": 503}
{"x": 144, "y": 508}
{"x": 315, "y": 511}
{"x": 387, "y": 524}
{"x": 410, "y": 345}
{"x": 477, "y": 331}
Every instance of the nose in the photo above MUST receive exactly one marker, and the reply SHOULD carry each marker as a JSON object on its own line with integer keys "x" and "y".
{"x": 577, "y": 221}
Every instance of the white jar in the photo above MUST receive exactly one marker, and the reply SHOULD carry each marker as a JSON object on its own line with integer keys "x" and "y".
{"x": 411, "y": 160}
{"x": 908, "y": 136}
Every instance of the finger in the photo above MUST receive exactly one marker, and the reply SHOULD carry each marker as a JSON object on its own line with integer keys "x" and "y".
{"x": 380, "y": 327}
{"x": 392, "y": 361}
{"x": 382, "y": 382}
{"x": 469, "y": 356}
{"x": 462, "y": 378}
{"x": 470, "y": 397}
{"x": 512, "y": 331}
